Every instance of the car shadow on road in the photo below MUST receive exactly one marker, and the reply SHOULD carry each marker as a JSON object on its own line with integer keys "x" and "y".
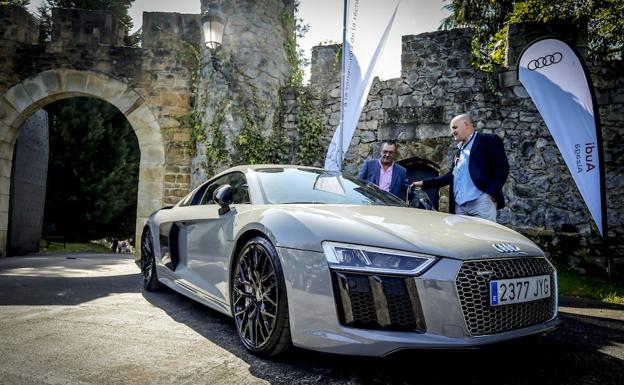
{"x": 562, "y": 357}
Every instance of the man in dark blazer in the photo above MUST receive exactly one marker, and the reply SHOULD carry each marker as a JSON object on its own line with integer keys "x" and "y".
{"x": 384, "y": 172}
{"x": 478, "y": 172}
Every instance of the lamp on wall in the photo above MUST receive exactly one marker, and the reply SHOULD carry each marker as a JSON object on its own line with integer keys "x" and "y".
{"x": 213, "y": 24}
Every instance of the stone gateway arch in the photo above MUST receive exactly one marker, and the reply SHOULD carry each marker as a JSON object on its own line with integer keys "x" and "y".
{"x": 86, "y": 57}
{"x": 23, "y": 99}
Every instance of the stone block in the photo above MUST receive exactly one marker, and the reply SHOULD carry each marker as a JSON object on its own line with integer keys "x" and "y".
{"x": 18, "y": 98}
{"x": 8, "y": 113}
{"x": 410, "y": 101}
{"x": 5, "y": 168}
{"x": 36, "y": 88}
{"x": 4, "y": 220}
{"x": 125, "y": 101}
{"x": 520, "y": 92}
{"x": 508, "y": 79}
{"x": 367, "y": 137}
{"x": 3, "y": 243}
{"x": 183, "y": 178}
{"x": 389, "y": 101}
{"x": 6, "y": 152}
{"x": 149, "y": 191}
{"x": 5, "y": 185}
{"x": 4, "y": 203}
{"x": 153, "y": 153}
{"x": 147, "y": 135}
{"x": 151, "y": 173}
{"x": 142, "y": 115}
{"x": 181, "y": 137}
{"x": 75, "y": 81}
{"x": 105, "y": 88}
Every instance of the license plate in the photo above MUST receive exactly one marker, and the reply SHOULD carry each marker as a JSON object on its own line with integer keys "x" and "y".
{"x": 508, "y": 291}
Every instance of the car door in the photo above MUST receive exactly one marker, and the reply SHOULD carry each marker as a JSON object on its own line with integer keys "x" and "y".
{"x": 208, "y": 239}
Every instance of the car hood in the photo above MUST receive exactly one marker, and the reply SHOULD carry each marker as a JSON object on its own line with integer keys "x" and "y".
{"x": 409, "y": 229}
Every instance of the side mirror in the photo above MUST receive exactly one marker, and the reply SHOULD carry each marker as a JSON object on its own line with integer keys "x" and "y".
{"x": 224, "y": 196}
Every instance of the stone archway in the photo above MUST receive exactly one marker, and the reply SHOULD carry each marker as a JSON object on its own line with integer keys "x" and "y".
{"x": 35, "y": 92}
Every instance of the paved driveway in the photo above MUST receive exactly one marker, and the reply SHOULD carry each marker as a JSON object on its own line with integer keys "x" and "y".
{"x": 84, "y": 319}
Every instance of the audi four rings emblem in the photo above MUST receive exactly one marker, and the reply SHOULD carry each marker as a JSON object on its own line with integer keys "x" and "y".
{"x": 545, "y": 61}
{"x": 506, "y": 247}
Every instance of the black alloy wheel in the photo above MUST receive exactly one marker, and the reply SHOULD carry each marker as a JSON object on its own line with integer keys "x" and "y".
{"x": 259, "y": 300}
{"x": 148, "y": 262}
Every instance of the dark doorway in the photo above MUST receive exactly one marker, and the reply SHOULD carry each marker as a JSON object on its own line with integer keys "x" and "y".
{"x": 419, "y": 169}
{"x": 74, "y": 177}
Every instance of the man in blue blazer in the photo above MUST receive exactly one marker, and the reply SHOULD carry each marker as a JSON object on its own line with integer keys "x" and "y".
{"x": 478, "y": 172}
{"x": 384, "y": 172}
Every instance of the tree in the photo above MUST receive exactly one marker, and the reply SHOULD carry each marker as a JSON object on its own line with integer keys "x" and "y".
{"x": 490, "y": 21}
{"x": 93, "y": 170}
{"x": 14, "y": 3}
{"x": 119, "y": 8}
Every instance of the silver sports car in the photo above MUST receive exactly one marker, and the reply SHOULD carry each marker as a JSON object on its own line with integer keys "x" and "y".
{"x": 301, "y": 257}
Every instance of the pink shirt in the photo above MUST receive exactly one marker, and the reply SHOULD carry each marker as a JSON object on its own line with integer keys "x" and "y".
{"x": 385, "y": 177}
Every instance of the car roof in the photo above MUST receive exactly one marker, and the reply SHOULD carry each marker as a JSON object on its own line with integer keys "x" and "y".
{"x": 251, "y": 167}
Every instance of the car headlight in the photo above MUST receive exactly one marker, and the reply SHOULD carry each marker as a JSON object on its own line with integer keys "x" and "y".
{"x": 342, "y": 256}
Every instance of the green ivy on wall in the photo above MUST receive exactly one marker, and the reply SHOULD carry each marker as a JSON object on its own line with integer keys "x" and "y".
{"x": 253, "y": 143}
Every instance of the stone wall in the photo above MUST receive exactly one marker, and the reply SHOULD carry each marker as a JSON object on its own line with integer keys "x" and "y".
{"x": 438, "y": 82}
{"x": 241, "y": 80}
{"x": 152, "y": 86}
{"x": 85, "y": 27}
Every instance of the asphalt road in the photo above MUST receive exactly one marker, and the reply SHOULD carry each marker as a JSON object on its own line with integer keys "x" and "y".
{"x": 84, "y": 319}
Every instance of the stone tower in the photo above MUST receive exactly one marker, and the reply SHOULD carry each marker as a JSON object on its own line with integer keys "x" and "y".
{"x": 239, "y": 83}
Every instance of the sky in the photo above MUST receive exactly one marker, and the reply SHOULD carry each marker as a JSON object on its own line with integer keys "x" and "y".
{"x": 325, "y": 20}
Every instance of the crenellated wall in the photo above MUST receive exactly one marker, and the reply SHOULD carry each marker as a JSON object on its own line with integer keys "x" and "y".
{"x": 86, "y": 57}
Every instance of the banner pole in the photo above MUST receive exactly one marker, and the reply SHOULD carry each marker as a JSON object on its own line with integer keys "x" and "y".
{"x": 342, "y": 84}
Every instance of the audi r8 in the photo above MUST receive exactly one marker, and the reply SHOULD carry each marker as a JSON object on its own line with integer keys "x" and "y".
{"x": 298, "y": 256}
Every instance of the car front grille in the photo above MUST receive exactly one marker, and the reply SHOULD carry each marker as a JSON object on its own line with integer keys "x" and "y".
{"x": 381, "y": 302}
{"x": 473, "y": 289}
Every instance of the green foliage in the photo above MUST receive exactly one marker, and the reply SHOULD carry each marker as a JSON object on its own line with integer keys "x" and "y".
{"x": 251, "y": 146}
{"x": 309, "y": 149}
{"x": 119, "y": 7}
{"x": 295, "y": 55}
{"x": 14, "y": 3}
{"x": 576, "y": 285}
{"x": 490, "y": 20}
{"x": 93, "y": 170}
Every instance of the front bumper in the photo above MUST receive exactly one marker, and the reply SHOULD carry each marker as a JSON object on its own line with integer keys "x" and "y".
{"x": 315, "y": 317}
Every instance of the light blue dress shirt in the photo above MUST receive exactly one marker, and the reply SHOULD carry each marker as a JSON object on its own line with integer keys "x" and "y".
{"x": 463, "y": 187}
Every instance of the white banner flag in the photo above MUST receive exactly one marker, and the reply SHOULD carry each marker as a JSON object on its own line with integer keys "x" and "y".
{"x": 366, "y": 34}
{"x": 555, "y": 78}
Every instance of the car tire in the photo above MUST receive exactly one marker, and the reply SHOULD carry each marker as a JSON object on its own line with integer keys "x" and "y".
{"x": 259, "y": 302}
{"x": 148, "y": 262}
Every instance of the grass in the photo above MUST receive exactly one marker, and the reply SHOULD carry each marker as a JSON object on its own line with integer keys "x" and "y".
{"x": 575, "y": 285}
{"x": 73, "y": 247}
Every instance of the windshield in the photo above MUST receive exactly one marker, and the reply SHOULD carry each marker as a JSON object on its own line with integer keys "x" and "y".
{"x": 300, "y": 185}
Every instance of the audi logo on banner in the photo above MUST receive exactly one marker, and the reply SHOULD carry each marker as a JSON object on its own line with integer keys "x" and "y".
{"x": 545, "y": 61}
